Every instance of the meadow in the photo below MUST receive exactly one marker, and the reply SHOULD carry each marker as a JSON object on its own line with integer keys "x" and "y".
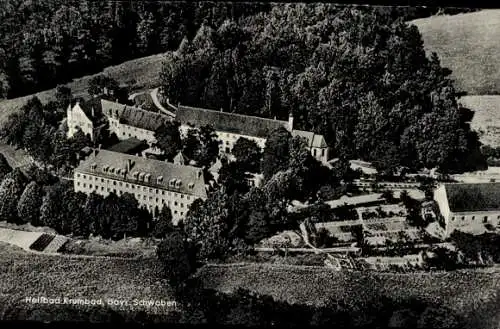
{"x": 468, "y": 292}
{"x": 25, "y": 274}
{"x": 468, "y": 45}
{"x": 486, "y": 118}
{"x": 140, "y": 73}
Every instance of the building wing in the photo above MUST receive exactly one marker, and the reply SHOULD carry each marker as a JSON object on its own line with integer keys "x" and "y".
{"x": 473, "y": 197}
{"x": 228, "y": 122}
{"x": 143, "y": 171}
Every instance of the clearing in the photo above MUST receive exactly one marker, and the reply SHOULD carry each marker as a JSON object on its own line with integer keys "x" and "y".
{"x": 486, "y": 118}
{"x": 24, "y": 274}
{"x": 140, "y": 73}
{"x": 469, "y": 292}
{"x": 468, "y": 45}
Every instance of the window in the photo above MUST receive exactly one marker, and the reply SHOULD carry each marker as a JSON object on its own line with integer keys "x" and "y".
{"x": 114, "y": 190}
{"x": 150, "y": 190}
{"x": 323, "y": 152}
{"x": 150, "y": 198}
{"x": 175, "y": 212}
{"x": 84, "y": 177}
{"x": 77, "y": 175}
{"x": 228, "y": 150}
{"x": 78, "y": 183}
{"x": 188, "y": 197}
{"x": 102, "y": 188}
{"x": 102, "y": 180}
{"x": 182, "y": 205}
{"x": 90, "y": 185}
{"x": 121, "y": 184}
{"x": 182, "y": 214}
{"x": 84, "y": 185}
{"x": 485, "y": 219}
{"x": 156, "y": 200}
{"x": 473, "y": 217}
{"x": 162, "y": 192}
{"x": 114, "y": 182}
{"x": 107, "y": 189}
{"x": 463, "y": 217}
{"x": 144, "y": 188}
{"x": 144, "y": 197}
{"x": 182, "y": 196}
{"x": 314, "y": 152}
{"x": 126, "y": 185}
{"x": 156, "y": 191}
{"x": 132, "y": 186}
{"x": 175, "y": 203}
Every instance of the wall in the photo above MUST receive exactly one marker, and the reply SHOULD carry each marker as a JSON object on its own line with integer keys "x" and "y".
{"x": 77, "y": 118}
{"x": 151, "y": 197}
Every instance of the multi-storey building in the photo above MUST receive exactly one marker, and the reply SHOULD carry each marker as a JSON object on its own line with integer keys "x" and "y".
{"x": 128, "y": 121}
{"x": 468, "y": 207}
{"x": 231, "y": 126}
{"x": 154, "y": 183}
{"x": 85, "y": 116}
{"x": 125, "y": 121}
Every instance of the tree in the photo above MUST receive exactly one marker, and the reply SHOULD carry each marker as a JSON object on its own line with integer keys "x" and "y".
{"x": 276, "y": 153}
{"x": 248, "y": 154}
{"x": 53, "y": 211}
{"x": 163, "y": 224}
{"x": 168, "y": 139}
{"x": 63, "y": 97}
{"x": 232, "y": 178}
{"x": 11, "y": 188}
{"x": 209, "y": 146}
{"x": 28, "y": 207}
{"x": 4, "y": 167}
{"x": 177, "y": 258}
{"x": 207, "y": 225}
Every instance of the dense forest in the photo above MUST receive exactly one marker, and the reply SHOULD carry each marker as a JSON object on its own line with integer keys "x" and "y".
{"x": 357, "y": 75}
{"x": 50, "y": 42}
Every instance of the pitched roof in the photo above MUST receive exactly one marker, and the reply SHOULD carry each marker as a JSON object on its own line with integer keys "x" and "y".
{"x": 191, "y": 178}
{"x": 133, "y": 116}
{"x": 473, "y": 197}
{"x": 312, "y": 139}
{"x": 180, "y": 158}
{"x": 228, "y": 122}
{"x": 88, "y": 105}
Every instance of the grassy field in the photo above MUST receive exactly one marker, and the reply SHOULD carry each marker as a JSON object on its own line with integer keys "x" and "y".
{"x": 468, "y": 45}
{"x": 144, "y": 71}
{"x": 486, "y": 117}
{"x": 24, "y": 275}
{"x": 464, "y": 291}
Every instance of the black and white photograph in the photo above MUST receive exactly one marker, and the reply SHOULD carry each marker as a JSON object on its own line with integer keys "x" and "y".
{"x": 250, "y": 164}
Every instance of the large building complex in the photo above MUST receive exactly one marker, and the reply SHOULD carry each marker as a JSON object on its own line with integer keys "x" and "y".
{"x": 231, "y": 126}
{"x": 125, "y": 121}
{"x": 468, "y": 207}
{"x": 154, "y": 183}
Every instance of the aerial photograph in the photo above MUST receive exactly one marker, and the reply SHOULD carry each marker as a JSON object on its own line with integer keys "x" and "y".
{"x": 249, "y": 164}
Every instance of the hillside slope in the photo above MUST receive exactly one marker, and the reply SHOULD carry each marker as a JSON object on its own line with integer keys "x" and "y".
{"x": 469, "y": 45}
{"x": 143, "y": 72}
{"x": 486, "y": 118}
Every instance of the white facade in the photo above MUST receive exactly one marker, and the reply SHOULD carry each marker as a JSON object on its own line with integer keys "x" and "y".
{"x": 470, "y": 221}
{"x": 149, "y": 196}
{"x": 124, "y": 131}
{"x": 76, "y": 118}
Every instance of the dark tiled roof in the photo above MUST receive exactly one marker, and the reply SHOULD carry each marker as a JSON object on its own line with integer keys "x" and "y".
{"x": 129, "y": 146}
{"x": 312, "y": 139}
{"x": 134, "y": 116}
{"x": 473, "y": 197}
{"x": 228, "y": 122}
{"x": 88, "y": 105}
{"x": 192, "y": 180}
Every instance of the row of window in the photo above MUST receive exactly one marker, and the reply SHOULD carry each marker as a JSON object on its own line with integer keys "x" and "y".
{"x": 322, "y": 152}
{"x": 132, "y": 186}
{"x": 485, "y": 218}
{"x": 137, "y": 195}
